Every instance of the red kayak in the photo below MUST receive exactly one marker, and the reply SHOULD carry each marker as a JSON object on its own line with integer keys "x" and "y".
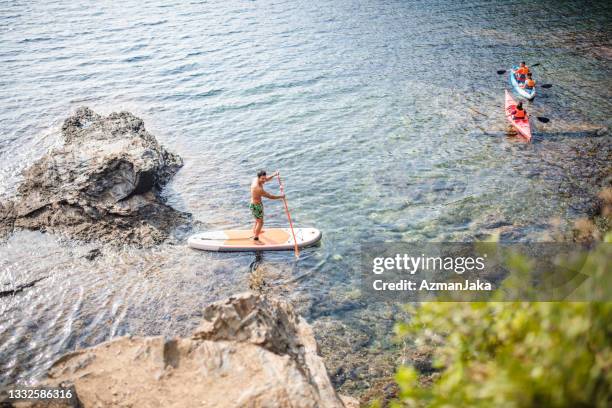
{"x": 522, "y": 126}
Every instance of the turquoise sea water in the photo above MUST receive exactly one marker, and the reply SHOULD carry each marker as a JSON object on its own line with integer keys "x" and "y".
{"x": 385, "y": 118}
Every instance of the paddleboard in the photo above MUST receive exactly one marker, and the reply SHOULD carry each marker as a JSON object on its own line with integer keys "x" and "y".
{"x": 271, "y": 239}
{"x": 522, "y": 126}
{"x": 525, "y": 93}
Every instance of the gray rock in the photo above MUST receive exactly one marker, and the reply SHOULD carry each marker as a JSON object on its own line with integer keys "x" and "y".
{"x": 602, "y": 131}
{"x": 102, "y": 184}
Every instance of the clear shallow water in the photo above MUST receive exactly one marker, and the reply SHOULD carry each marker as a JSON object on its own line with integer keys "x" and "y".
{"x": 385, "y": 118}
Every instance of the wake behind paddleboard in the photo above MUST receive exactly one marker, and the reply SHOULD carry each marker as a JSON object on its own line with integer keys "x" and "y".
{"x": 271, "y": 239}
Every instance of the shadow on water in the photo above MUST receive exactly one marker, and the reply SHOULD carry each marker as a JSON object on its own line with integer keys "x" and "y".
{"x": 551, "y": 136}
{"x": 259, "y": 255}
{"x": 573, "y": 135}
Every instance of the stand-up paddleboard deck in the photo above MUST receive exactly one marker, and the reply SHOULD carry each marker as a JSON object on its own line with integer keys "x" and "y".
{"x": 271, "y": 239}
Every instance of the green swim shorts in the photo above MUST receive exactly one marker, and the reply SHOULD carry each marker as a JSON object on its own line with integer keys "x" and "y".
{"x": 256, "y": 210}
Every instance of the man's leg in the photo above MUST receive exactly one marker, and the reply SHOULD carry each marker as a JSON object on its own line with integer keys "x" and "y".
{"x": 257, "y": 212}
{"x": 258, "y": 226}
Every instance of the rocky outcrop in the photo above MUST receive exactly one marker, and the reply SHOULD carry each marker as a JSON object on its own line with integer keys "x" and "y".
{"x": 102, "y": 184}
{"x": 250, "y": 351}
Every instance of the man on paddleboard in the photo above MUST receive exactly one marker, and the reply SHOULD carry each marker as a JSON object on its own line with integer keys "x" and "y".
{"x": 256, "y": 206}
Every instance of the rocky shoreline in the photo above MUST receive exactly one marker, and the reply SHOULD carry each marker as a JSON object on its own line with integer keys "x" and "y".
{"x": 103, "y": 185}
{"x": 250, "y": 351}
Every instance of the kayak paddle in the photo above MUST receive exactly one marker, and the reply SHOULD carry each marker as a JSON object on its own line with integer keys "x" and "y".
{"x": 543, "y": 119}
{"x": 503, "y": 71}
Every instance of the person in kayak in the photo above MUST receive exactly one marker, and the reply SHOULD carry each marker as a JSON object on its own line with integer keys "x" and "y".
{"x": 518, "y": 112}
{"x": 256, "y": 206}
{"x": 521, "y": 72}
{"x": 529, "y": 82}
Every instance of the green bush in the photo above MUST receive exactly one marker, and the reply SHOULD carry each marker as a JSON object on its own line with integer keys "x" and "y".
{"x": 515, "y": 354}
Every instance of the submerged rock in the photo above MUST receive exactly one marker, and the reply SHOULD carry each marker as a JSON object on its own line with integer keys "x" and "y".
{"x": 251, "y": 351}
{"x": 102, "y": 184}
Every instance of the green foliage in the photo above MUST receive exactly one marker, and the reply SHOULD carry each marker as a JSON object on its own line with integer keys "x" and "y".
{"x": 515, "y": 354}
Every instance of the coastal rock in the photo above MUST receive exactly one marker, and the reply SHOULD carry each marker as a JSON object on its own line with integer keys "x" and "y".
{"x": 102, "y": 184}
{"x": 251, "y": 351}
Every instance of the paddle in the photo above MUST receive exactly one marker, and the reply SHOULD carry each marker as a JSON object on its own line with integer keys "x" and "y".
{"x": 282, "y": 189}
{"x": 503, "y": 71}
{"x": 543, "y": 119}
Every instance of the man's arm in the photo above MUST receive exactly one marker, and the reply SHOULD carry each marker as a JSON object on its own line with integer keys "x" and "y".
{"x": 272, "y": 176}
{"x": 272, "y": 196}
